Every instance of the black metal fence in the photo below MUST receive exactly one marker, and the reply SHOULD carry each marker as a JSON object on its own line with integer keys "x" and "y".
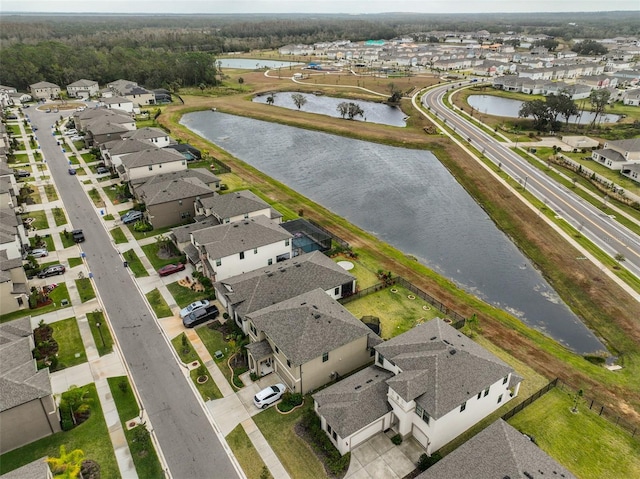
{"x": 362, "y": 293}
{"x": 538, "y": 394}
{"x": 335, "y": 238}
{"x": 458, "y": 319}
{"x": 220, "y": 167}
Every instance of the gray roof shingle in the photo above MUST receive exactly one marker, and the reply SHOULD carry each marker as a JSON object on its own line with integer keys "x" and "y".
{"x": 300, "y": 326}
{"x": 499, "y": 451}
{"x": 156, "y": 193}
{"x": 234, "y": 204}
{"x": 151, "y": 156}
{"x": 258, "y": 289}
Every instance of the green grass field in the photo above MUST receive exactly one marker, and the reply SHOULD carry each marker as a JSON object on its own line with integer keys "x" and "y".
{"x": 59, "y": 216}
{"x": 67, "y": 334}
{"x": 118, "y": 236}
{"x": 102, "y": 335}
{"x": 135, "y": 264}
{"x": 208, "y": 390}
{"x": 158, "y": 304}
{"x": 185, "y": 296}
{"x": 245, "y": 453}
{"x": 73, "y": 262}
{"x": 85, "y": 289}
{"x": 39, "y": 219}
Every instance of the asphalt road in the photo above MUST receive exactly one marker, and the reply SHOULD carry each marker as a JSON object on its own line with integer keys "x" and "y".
{"x": 604, "y": 231}
{"x": 191, "y": 448}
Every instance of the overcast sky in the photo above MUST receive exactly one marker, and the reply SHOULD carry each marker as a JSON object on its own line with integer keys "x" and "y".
{"x": 318, "y": 6}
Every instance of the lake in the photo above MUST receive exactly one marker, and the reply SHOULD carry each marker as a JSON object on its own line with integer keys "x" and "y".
{"x": 326, "y": 105}
{"x": 498, "y": 106}
{"x": 409, "y": 200}
{"x": 253, "y": 63}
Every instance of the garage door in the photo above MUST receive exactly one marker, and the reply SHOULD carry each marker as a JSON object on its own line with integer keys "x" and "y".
{"x": 420, "y": 436}
{"x": 366, "y": 433}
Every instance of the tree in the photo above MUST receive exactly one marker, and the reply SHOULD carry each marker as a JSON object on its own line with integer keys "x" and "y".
{"x": 270, "y": 99}
{"x": 539, "y": 110}
{"x": 68, "y": 465}
{"x": 561, "y": 105}
{"x": 599, "y": 100}
{"x": 353, "y": 110}
{"x": 298, "y": 99}
{"x": 589, "y": 47}
{"x": 619, "y": 257}
{"x": 343, "y": 108}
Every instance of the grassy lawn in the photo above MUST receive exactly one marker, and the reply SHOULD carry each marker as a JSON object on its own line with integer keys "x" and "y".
{"x": 135, "y": 264}
{"x": 145, "y": 459}
{"x": 245, "y": 453}
{"x": 587, "y": 444}
{"x": 151, "y": 252}
{"x": 57, "y": 295}
{"x": 48, "y": 240}
{"x": 94, "y": 194}
{"x": 79, "y": 145}
{"x": 185, "y": 296}
{"x": 147, "y": 234}
{"x": 73, "y": 159}
{"x": 108, "y": 217}
{"x": 39, "y": 219}
{"x": 208, "y": 390}
{"x": 365, "y": 277}
{"x": 67, "y": 239}
{"x": 112, "y": 194}
{"x": 85, "y": 289}
{"x": 101, "y": 336}
{"x": 214, "y": 341}
{"x": 73, "y": 262}
{"x": 118, "y": 236}
{"x": 294, "y": 453}
{"x": 396, "y": 311}
{"x": 88, "y": 157}
{"x": 92, "y": 437}
{"x": 158, "y": 304}
{"x": 67, "y": 334}
{"x": 59, "y": 216}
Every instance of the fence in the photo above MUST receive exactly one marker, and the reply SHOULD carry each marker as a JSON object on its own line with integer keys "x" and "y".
{"x": 335, "y": 238}
{"x": 458, "y": 319}
{"x": 530, "y": 399}
{"x": 362, "y": 293}
{"x": 220, "y": 166}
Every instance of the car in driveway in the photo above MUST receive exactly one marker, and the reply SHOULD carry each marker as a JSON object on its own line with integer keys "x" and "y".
{"x": 39, "y": 253}
{"x": 101, "y": 170}
{"x": 72, "y": 171}
{"x": 269, "y": 395}
{"x": 170, "y": 269}
{"x": 200, "y": 316}
{"x": 203, "y": 303}
{"x": 53, "y": 270}
{"x": 21, "y": 173}
{"x": 131, "y": 217}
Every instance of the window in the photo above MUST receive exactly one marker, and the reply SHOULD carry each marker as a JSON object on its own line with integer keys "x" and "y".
{"x": 246, "y": 215}
{"x": 255, "y": 250}
{"x": 506, "y": 378}
{"x": 226, "y": 220}
{"x": 277, "y": 350}
{"x": 463, "y": 406}
{"x": 486, "y": 392}
{"x": 160, "y": 165}
{"x": 241, "y": 254}
{"x": 380, "y": 359}
{"x": 253, "y": 329}
{"x": 328, "y": 429}
{"x": 185, "y": 214}
{"x": 218, "y": 262}
{"x": 286, "y": 242}
{"x": 269, "y": 262}
{"x": 500, "y": 399}
{"x": 325, "y": 357}
{"x": 150, "y": 167}
{"x": 335, "y": 436}
{"x": 479, "y": 394}
{"x": 336, "y": 291}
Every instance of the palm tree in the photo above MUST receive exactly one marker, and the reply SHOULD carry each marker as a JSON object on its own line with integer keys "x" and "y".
{"x": 270, "y": 99}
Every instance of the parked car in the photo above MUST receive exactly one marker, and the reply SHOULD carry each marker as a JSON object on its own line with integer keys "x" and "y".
{"x": 52, "y": 270}
{"x": 170, "y": 269}
{"x": 200, "y": 316}
{"x": 72, "y": 171}
{"x": 194, "y": 307}
{"x": 21, "y": 173}
{"x": 39, "y": 253}
{"x": 131, "y": 217}
{"x": 12, "y": 117}
{"x": 101, "y": 170}
{"x": 71, "y": 132}
{"x": 76, "y": 138}
{"x": 269, "y": 395}
{"x": 78, "y": 236}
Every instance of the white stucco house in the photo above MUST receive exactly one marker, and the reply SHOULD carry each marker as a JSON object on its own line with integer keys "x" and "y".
{"x": 155, "y": 136}
{"x": 83, "y": 89}
{"x": 151, "y": 161}
{"x": 231, "y": 249}
{"x": 235, "y": 206}
{"x": 431, "y": 382}
{"x": 619, "y": 153}
{"x": 118, "y": 103}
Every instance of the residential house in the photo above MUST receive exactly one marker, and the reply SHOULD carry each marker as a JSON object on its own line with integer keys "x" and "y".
{"x": 12, "y": 234}
{"x": 246, "y": 293}
{"x": 632, "y": 172}
{"x": 5, "y": 96}
{"x": 38, "y": 469}
{"x": 308, "y": 340}
{"x": 113, "y": 151}
{"x": 169, "y": 200}
{"x": 132, "y": 91}
{"x": 432, "y": 383}
{"x": 231, "y": 249}
{"x": 155, "y": 136}
{"x": 44, "y": 90}
{"x": 616, "y": 154}
{"x": 181, "y": 236}
{"x": 14, "y": 291}
{"x": 236, "y": 206}
{"x": 28, "y": 410}
{"x": 598, "y": 82}
{"x": 580, "y": 142}
{"x": 149, "y": 162}
{"x": 631, "y": 97}
{"x": 191, "y": 153}
{"x": 118, "y": 103}
{"x": 102, "y": 131}
{"x": 82, "y": 119}
{"x": 498, "y": 451}
{"x": 83, "y": 89}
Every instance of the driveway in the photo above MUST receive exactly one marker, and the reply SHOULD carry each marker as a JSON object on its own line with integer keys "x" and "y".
{"x": 379, "y": 458}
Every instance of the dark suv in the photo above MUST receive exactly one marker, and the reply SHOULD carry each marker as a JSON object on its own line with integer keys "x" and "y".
{"x": 52, "y": 270}
{"x": 200, "y": 316}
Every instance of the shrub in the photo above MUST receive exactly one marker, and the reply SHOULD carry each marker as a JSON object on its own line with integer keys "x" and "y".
{"x": 289, "y": 401}
{"x": 397, "y": 439}
{"x": 425, "y": 462}
{"x": 142, "y": 226}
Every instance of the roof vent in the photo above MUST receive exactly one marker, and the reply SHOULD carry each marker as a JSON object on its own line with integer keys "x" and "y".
{"x": 434, "y": 337}
{"x": 369, "y": 381}
{"x": 317, "y": 316}
{"x": 235, "y": 225}
{"x": 269, "y": 275}
{"x": 452, "y": 352}
{"x": 297, "y": 265}
{"x": 302, "y": 304}
{"x": 357, "y": 387}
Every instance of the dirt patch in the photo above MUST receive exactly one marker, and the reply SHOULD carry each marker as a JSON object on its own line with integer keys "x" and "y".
{"x": 191, "y": 284}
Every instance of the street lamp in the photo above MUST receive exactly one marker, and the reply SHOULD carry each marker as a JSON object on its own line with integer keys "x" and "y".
{"x": 101, "y": 336}
{"x": 525, "y": 183}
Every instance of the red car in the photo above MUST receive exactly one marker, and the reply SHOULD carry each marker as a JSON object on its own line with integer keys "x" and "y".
{"x": 170, "y": 269}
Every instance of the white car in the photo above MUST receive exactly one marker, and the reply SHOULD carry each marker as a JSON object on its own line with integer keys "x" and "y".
{"x": 39, "y": 253}
{"x": 184, "y": 312}
{"x": 269, "y": 395}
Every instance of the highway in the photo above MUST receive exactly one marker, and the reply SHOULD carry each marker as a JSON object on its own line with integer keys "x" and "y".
{"x": 600, "y": 228}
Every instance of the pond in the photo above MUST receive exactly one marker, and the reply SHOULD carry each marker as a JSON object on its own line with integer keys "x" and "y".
{"x": 409, "y": 200}
{"x": 253, "y": 63}
{"x": 326, "y": 105}
{"x": 498, "y": 106}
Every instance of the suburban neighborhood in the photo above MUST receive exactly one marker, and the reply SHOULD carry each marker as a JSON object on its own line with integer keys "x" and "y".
{"x": 278, "y": 335}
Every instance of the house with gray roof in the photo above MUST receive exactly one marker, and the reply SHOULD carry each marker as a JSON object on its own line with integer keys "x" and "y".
{"x": 499, "y": 451}
{"x": 632, "y": 172}
{"x": 14, "y": 291}
{"x": 27, "y": 408}
{"x": 83, "y": 89}
{"x": 246, "y": 293}
{"x": 441, "y": 384}
{"x": 155, "y": 136}
{"x": 38, "y": 469}
{"x": 44, "y": 90}
{"x": 88, "y": 116}
{"x": 618, "y": 154}
{"x": 132, "y": 91}
{"x": 152, "y": 161}
{"x": 118, "y": 103}
{"x": 236, "y": 206}
{"x": 234, "y": 248}
{"x": 113, "y": 151}
{"x": 308, "y": 340}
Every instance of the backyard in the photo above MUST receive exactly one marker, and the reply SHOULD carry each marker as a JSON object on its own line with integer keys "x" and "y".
{"x": 36, "y": 219}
